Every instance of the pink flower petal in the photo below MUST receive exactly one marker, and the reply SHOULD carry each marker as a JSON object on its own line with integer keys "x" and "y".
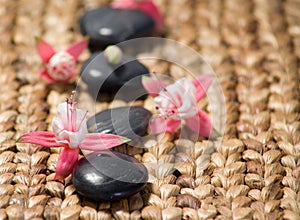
{"x": 179, "y": 97}
{"x": 43, "y": 138}
{"x": 172, "y": 125}
{"x": 44, "y": 74}
{"x": 99, "y": 141}
{"x": 157, "y": 125}
{"x": 44, "y": 49}
{"x": 66, "y": 162}
{"x": 160, "y": 125}
{"x": 147, "y": 6}
{"x": 153, "y": 86}
{"x": 202, "y": 84}
{"x": 200, "y": 124}
{"x": 77, "y": 48}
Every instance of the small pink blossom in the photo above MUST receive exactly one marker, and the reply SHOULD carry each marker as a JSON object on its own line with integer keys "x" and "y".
{"x": 70, "y": 132}
{"x": 59, "y": 66}
{"x": 146, "y": 6}
{"x": 178, "y": 102}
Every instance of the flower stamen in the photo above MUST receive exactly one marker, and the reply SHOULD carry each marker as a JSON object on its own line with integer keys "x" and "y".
{"x": 82, "y": 119}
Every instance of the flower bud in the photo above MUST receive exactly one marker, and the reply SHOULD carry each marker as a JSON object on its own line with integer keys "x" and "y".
{"x": 113, "y": 54}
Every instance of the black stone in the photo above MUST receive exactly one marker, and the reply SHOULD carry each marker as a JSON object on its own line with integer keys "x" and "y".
{"x": 123, "y": 79}
{"x": 106, "y": 26}
{"x": 130, "y": 122}
{"x": 109, "y": 176}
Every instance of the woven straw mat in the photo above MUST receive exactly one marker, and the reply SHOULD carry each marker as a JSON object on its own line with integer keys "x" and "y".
{"x": 254, "y": 48}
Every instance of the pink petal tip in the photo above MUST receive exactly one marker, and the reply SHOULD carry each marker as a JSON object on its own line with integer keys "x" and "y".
{"x": 100, "y": 141}
{"x": 77, "y": 48}
{"x": 200, "y": 124}
{"x": 44, "y": 49}
{"x": 152, "y": 85}
{"x": 66, "y": 162}
{"x": 42, "y": 138}
{"x": 202, "y": 84}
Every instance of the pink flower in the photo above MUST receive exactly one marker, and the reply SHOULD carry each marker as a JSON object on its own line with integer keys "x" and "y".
{"x": 146, "y": 6}
{"x": 177, "y": 102}
{"x": 60, "y": 66}
{"x": 70, "y": 132}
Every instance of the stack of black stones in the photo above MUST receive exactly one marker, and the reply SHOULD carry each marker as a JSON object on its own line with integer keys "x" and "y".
{"x": 110, "y": 175}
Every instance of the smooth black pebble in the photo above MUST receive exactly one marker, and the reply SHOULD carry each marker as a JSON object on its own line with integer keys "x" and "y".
{"x": 106, "y": 26}
{"x": 130, "y": 122}
{"x": 124, "y": 79}
{"x": 109, "y": 176}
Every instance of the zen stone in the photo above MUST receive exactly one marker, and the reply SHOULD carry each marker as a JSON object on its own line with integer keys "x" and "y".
{"x": 123, "y": 78}
{"x": 130, "y": 122}
{"x": 106, "y": 26}
{"x": 109, "y": 176}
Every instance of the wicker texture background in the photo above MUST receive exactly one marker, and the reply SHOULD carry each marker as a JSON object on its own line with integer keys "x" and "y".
{"x": 254, "y": 48}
